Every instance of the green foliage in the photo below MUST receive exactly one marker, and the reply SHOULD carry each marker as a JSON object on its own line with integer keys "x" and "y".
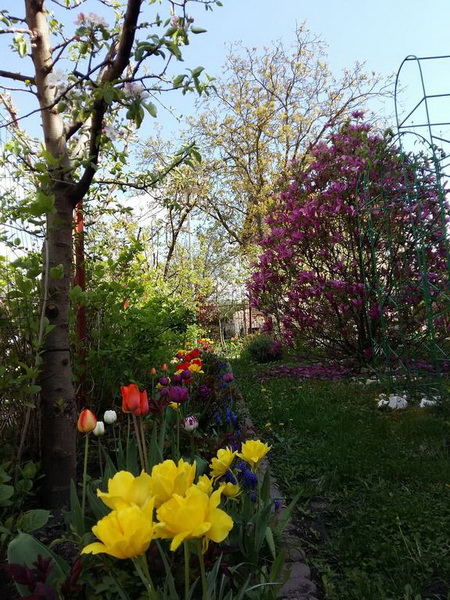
{"x": 15, "y": 498}
{"x": 264, "y": 349}
{"x": 373, "y": 485}
{"x": 126, "y": 340}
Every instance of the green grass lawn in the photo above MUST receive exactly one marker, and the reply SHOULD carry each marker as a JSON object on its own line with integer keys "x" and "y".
{"x": 380, "y": 479}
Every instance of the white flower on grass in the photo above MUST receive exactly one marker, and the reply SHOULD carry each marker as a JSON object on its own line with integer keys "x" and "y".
{"x": 392, "y": 401}
{"x": 425, "y": 402}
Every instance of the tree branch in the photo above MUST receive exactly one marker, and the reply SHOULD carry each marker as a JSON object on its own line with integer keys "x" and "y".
{"x": 18, "y": 77}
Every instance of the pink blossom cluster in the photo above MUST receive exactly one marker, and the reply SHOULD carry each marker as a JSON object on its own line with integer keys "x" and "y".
{"x": 353, "y": 241}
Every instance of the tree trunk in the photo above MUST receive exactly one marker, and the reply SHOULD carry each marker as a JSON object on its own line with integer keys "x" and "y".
{"x": 58, "y": 407}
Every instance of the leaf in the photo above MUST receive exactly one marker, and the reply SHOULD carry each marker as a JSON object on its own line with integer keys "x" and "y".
{"x": 151, "y": 108}
{"x": 57, "y": 272}
{"x": 6, "y": 491}
{"x": 197, "y": 30}
{"x": 33, "y": 519}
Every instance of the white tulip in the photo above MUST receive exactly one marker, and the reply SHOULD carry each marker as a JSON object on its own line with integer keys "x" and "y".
{"x": 99, "y": 428}
{"x": 110, "y": 417}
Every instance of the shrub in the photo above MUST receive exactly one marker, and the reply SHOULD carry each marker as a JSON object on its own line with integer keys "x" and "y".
{"x": 343, "y": 265}
{"x": 263, "y": 349}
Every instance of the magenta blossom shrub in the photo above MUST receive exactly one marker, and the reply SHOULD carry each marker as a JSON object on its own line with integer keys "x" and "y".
{"x": 353, "y": 241}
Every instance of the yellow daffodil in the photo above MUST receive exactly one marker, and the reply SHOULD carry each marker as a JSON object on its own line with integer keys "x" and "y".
{"x": 168, "y": 478}
{"x": 123, "y": 533}
{"x": 253, "y": 451}
{"x": 124, "y": 489}
{"x": 194, "y": 516}
{"x": 205, "y": 484}
{"x": 174, "y": 405}
{"x": 219, "y": 465}
{"x": 231, "y": 490}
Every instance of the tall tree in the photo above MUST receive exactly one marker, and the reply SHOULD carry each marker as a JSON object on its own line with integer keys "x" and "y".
{"x": 86, "y": 79}
{"x": 267, "y": 108}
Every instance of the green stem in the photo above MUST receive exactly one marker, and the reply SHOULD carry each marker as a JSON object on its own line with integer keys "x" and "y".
{"x": 177, "y": 448}
{"x": 140, "y": 563}
{"x": 83, "y": 496}
{"x": 202, "y": 571}
{"x": 186, "y": 570}
{"x": 116, "y": 450}
{"x": 144, "y": 446}
{"x": 127, "y": 451}
{"x": 139, "y": 442}
{"x": 100, "y": 457}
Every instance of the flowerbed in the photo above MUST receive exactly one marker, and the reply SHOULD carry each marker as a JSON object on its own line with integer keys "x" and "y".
{"x": 176, "y": 495}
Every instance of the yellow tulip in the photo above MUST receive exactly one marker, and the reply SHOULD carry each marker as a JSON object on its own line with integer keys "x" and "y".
{"x": 123, "y": 533}
{"x": 205, "y": 484}
{"x": 219, "y": 465}
{"x": 231, "y": 490}
{"x": 194, "y": 516}
{"x": 168, "y": 478}
{"x": 253, "y": 451}
{"x": 126, "y": 490}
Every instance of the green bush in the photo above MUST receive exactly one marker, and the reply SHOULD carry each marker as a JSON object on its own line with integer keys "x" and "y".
{"x": 264, "y": 349}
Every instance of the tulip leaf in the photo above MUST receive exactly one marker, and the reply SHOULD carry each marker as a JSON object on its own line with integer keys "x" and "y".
{"x": 99, "y": 509}
{"x": 77, "y": 518}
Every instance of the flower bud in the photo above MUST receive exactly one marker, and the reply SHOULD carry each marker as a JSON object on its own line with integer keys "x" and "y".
{"x": 189, "y": 423}
{"x": 110, "y": 417}
{"x": 153, "y": 371}
{"x": 99, "y": 429}
{"x": 130, "y": 397}
{"x": 164, "y": 367}
{"x": 178, "y": 394}
{"x": 86, "y": 421}
{"x": 143, "y": 408}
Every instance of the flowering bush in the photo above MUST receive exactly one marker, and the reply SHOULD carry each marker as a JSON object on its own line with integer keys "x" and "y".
{"x": 341, "y": 264}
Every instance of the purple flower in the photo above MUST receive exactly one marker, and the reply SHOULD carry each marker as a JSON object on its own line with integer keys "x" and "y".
{"x": 178, "y": 394}
{"x": 186, "y": 374}
{"x": 228, "y": 377}
{"x": 189, "y": 423}
{"x": 203, "y": 390}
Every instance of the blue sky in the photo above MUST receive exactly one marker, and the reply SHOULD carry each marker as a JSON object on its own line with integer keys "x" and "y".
{"x": 379, "y": 33}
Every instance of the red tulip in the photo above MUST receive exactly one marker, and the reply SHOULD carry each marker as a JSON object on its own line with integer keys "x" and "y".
{"x": 86, "y": 421}
{"x": 131, "y": 397}
{"x": 143, "y": 405}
